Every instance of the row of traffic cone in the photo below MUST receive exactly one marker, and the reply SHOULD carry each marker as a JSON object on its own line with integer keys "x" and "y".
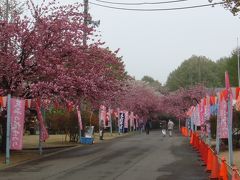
{"x": 210, "y": 159}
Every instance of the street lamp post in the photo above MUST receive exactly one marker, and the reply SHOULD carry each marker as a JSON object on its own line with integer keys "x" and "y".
{"x": 85, "y": 12}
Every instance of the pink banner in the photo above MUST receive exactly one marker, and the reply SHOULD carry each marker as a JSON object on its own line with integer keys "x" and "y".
{"x": 218, "y": 117}
{"x": 225, "y": 113}
{"x": 223, "y": 126}
{"x": 103, "y": 114}
{"x": 207, "y": 116}
{"x": 131, "y": 119}
{"x": 17, "y": 123}
{"x": 137, "y": 121}
{"x": 126, "y": 119}
{"x": 108, "y": 116}
{"x": 197, "y": 116}
{"x": 201, "y": 116}
{"x": 43, "y": 130}
{"x": 79, "y": 119}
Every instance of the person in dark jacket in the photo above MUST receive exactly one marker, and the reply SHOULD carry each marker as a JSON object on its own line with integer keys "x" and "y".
{"x": 148, "y": 126}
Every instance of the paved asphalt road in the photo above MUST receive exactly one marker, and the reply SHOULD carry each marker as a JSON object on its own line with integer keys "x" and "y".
{"x": 137, "y": 157}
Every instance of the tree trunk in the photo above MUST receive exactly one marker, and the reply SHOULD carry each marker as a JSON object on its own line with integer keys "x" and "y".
{"x": 3, "y": 122}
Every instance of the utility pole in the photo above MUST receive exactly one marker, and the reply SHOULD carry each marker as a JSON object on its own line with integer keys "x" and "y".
{"x": 199, "y": 70}
{"x": 85, "y": 12}
{"x": 7, "y": 10}
{"x": 238, "y": 64}
{"x": 7, "y": 155}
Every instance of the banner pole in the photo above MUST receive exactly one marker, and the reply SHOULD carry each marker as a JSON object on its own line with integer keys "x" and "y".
{"x": 40, "y": 132}
{"x": 179, "y": 125}
{"x": 119, "y": 117}
{"x": 80, "y": 135}
{"x": 79, "y": 122}
{"x": 7, "y": 160}
{"x": 40, "y": 142}
{"x": 110, "y": 118}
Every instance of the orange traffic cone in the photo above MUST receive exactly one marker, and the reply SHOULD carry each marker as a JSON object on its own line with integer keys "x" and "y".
{"x": 206, "y": 153}
{"x": 191, "y": 140}
{"x": 185, "y": 132}
{"x": 215, "y": 168}
{"x": 195, "y": 140}
{"x": 235, "y": 175}
{"x": 203, "y": 153}
{"x": 209, "y": 160}
{"x": 198, "y": 144}
{"x": 223, "y": 174}
{"x": 202, "y": 150}
{"x": 200, "y": 147}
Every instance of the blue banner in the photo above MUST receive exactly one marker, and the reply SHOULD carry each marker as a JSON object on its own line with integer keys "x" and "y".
{"x": 121, "y": 122}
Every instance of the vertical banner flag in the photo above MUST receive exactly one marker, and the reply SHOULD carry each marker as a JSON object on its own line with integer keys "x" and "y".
{"x": 197, "y": 116}
{"x": 103, "y": 114}
{"x": 4, "y": 101}
{"x": 229, "y": 99}
{"x": 126, "y": 119}
{"x": 121, "y": 121}
{"x": 43, "y": 130}
{"x": 108, "y": 116}
{"x": 223, "y": 125}
{"x": 202, "y": 112}
{"x": 79, "y": 118}
{"x": 218, "y": 124}
{"x": 137, "y": 121}
{"x": 131, "y": 120}
{"x": 207, "y": 115}
{"x": 238, "y": 103}
{"x": 28, "y": 103}
{"x": 229, "y": 111}
{"x": 17, "y": 123}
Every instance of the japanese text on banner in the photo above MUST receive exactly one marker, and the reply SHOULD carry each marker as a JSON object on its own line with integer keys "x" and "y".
{"x": 17, "y": 122}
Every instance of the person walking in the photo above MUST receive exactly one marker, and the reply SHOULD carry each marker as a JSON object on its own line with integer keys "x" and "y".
{"x": 170, "y": 127}
{"x": 164, "y": 127}
{"x": 101, "y": 130}
{"x": 147, "y": 126}
{"x": 141, "y": 125}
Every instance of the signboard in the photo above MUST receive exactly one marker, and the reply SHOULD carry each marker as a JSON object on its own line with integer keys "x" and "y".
{"x": 89, "y": 131}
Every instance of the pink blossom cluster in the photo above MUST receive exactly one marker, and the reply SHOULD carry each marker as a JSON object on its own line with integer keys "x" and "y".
{"x": 178, "y": 102}
{"x": 140, "y": 98}
{"x": 43, "y": 56}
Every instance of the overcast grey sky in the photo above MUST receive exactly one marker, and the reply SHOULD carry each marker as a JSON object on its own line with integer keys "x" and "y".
{"x": 155, "y": 43}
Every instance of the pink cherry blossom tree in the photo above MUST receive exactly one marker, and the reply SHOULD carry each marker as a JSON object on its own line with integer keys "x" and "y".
{"x": 140, "y": 98}
{"x": 43, "y": 57}
{"x": 177, "y": 103}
